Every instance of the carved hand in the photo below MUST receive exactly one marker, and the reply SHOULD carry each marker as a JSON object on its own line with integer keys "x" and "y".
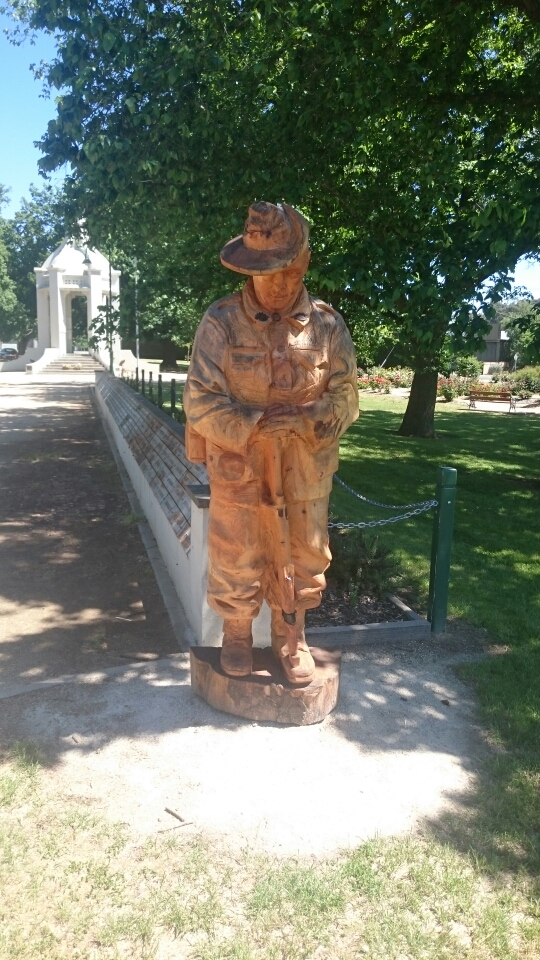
{"x": 283, "y": 420}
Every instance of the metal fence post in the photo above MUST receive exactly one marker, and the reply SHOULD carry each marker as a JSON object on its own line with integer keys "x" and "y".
{"x": 159, "y": 392}
{"x": 441, "y": 547}
{"x": 150, "y": 386}
{"x": 173, "y": 398}
{"x": 143, "y": 387}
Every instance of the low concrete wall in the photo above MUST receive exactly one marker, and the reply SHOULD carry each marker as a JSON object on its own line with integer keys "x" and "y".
{"x": 18, "y": 365}
{"x": 48, "y": 355}
{"x": 152, "y": 449}
{"x": 125, "y": 362}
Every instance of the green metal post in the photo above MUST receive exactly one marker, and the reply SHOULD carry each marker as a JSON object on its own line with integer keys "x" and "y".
{"x": 160, "y": 392}
{"x": 173, "y": 398}
{"x": 441, "y": 547}
{"x": 151, "y": 387}
{"x": 137, "y": 380}
{"x": 143, "y": 386}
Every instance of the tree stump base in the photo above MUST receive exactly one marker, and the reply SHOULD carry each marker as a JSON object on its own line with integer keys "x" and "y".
{"x": 266, "y": 694}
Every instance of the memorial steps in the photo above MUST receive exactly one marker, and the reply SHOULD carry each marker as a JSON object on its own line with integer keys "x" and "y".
{"x": 74, "y": 363}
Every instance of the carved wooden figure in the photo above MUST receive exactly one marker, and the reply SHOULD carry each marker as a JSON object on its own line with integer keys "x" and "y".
{"x": 271, "y": 387}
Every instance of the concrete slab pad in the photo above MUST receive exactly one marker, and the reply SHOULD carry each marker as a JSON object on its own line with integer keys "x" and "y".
{"x": 400, "y": 748}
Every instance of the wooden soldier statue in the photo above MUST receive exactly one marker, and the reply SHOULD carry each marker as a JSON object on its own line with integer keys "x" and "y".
{"x": 271, "y": 387}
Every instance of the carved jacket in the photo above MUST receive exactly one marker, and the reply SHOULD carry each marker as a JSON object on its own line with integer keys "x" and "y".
{"x": 244, "y": 360}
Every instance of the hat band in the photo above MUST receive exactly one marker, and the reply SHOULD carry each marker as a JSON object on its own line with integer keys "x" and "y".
{"x": 266, "y": 239}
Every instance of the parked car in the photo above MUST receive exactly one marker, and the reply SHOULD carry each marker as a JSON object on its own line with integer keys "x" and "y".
{"x": 8, "y": 353}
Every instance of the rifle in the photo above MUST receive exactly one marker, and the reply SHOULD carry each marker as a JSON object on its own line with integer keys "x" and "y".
{"x": 282, "y": 544}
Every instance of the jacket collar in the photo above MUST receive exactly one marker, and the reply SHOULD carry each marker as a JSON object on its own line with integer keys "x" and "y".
{"x": 298, "y": 316}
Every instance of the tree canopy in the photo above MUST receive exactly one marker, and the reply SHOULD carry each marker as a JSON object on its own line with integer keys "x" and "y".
{"x": 10, "y": 308}
{"x": 519, "y": 316}
{"x": 406, "y": 132}
{"x": 29, "y": 236}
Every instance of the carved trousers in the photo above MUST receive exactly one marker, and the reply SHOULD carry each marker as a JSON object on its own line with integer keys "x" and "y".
{"x": 241, "y": 568}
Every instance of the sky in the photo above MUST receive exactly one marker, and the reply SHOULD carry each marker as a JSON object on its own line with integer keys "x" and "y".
{"x": 24, "y": 115}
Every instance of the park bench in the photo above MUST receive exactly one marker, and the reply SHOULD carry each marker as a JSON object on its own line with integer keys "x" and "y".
{"x": 491, "y": 396}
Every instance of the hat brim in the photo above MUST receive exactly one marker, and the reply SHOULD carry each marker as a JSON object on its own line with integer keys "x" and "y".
{"x": 236, "y": 256}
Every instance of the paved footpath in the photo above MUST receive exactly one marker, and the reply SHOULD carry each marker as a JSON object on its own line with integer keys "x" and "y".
{"x": 127, "y": 737}
{"x": 77, "y": 590}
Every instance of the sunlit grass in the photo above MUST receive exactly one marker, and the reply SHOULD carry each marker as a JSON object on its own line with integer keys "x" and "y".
{"x": 496, "y": 547}
{"x": 77, "y": 886}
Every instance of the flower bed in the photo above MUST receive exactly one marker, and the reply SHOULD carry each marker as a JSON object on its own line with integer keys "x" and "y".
{"x": 382, "y": 381}
{"x": 448, "y": 388}
{"x": 523, "y": 383}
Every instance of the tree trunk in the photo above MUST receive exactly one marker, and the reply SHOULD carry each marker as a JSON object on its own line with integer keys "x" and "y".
{"x": 22, "y": 342}
{"x": 419, "y": 419}
{"x": 170, "y": 353}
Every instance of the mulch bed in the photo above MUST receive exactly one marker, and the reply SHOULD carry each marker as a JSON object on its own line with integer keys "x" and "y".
{"x": 336, "y": 611}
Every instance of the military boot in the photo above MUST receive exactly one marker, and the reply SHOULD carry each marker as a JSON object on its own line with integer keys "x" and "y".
{"x": 299, "y": 669}
{"x": 236, "y": 659}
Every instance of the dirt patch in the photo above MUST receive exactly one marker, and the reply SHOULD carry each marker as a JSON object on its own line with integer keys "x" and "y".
{"x": 336, "y": 610}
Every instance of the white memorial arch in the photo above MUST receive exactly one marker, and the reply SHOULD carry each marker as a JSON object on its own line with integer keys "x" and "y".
{"x": 72, "y": 270}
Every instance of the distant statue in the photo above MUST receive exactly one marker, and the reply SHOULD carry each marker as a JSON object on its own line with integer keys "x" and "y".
{"x": 271, "y": 387}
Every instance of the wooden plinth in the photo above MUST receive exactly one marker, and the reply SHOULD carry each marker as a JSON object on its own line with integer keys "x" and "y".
{"x": 266, "y": 694}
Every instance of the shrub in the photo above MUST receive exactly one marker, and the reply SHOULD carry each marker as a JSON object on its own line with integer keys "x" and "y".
{"x": 382, "y": 380}
{"x": 400, "y": 376}
{"x": 360, "y": 564}
{"x": 446, "y": 389}
{"x": 526, "y": 379}
{"x": 373, "y": 381}
{"x": 467, "y": 367}
{"x": 447, "y": 392}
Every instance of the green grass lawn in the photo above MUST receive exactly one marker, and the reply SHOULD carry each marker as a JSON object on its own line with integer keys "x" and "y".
{"x": 495, "y": 582}
{"x": 76, "y": 886}
{"x": 496, "y": 549}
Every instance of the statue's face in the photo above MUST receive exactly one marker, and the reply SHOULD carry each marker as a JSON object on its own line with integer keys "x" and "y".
{"x": 277, "y": 292}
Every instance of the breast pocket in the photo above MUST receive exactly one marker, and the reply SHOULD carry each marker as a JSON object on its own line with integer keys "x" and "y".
{"x": 312, "y": 366}
{"x": 249, "y": 374}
